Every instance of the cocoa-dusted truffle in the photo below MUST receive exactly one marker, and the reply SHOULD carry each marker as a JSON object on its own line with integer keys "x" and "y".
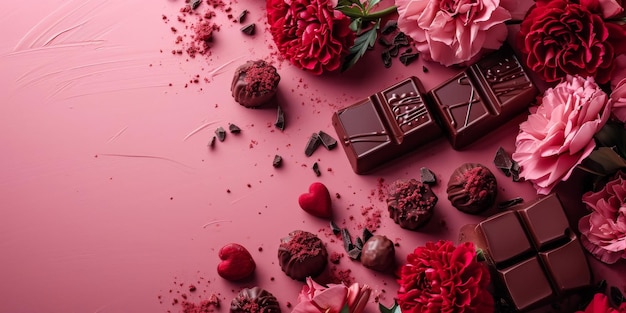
{"x": 410, "y": 203}
{"x": 378, "y": 253}
{"x": 472, "y": 188}
{"x": 254, "y": 83}
{"x": 302, "y": 254}
{"x": 254, "y": 300}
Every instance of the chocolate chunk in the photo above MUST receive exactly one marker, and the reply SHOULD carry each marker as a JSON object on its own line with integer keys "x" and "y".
{"x": 327, "y": 140}
{"x": 312, "y": 145}
{"x": 347, "y": 240}
{"x": 386, "y": 125}
{"x": 367, "y": 234}
{"x": 401, "y": 40}
{"x": 249, "y": 29}
{"x": 234, "y": 129}
{"x": 358, "y": 243}
{"x": 509, "y": 203}
{"x": 427, "y": 176}
{"x": 242, "y": 16}
{"x": 393, "y": 51}
{"x": 389, "y": 27}
{"x": 424, "y": 69}
{"x": 280, "y": 119}
{"x": 354, "y": 253}
{"x": 316, "y": 169}
{"x": 195, "y": 4}
{"x": 336, "y": 230}
{"x": 483, "y": 97}
{"x": 534, "y": 253}
{"x": 212, "y": 142}
{"x": 278, "y": 161}
{"x": 386, "y": 59}
{"x": 503, "y": 161}
{"x": 220, "y": 133}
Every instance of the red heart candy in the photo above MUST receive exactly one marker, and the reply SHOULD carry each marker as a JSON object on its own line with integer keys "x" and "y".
{"x": 317, "y": 201}
{"x": 237, "y": 263}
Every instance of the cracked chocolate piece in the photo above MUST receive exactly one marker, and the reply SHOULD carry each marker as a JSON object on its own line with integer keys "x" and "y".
{"x": 212, "y": 142}
{"x": 249, "y": 29}
{"x": 427, "y": 176}
{"x": 242, "y": 16}
{"x": 316, "y": 169}
{"x": 389, "y": 27}
{"x": 367, "y": 234}
{"x": 347, "y": 240}
{"x": 327, "y": 140}
{"x": 503, "y": 161}
{"x": 220, "y": 133}
{"x": 195, "y": 4}
{"x": 408, "y": 58}
{"x": 355, "y": 253}
{"x": 336, "y": 230}
{"x": 401, "y": 39}
{"x": 280, "y": 119}
{"x": 278, "y": 161}
{"x": 234, "y": 129}
{"x": 312, "y": 145}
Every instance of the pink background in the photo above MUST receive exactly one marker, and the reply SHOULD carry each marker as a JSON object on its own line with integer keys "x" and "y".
{"x": 110, "y": 198}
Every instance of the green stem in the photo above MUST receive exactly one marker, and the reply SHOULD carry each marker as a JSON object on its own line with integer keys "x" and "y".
{"x": 616, "y": 20}
{"x": 373, "y": 15}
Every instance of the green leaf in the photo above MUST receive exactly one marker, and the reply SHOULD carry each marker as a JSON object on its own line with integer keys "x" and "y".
{"x": 372, "y": 3}
{"x": 395, "y": 308}
{"x": 608, "y": 161}
{"x": 612, "y": 135}
{"x": 355, "y": 25}
{"x": 351, "y": 11}
{"x": 480, "y": 255}
{"x": 363, "y": 42}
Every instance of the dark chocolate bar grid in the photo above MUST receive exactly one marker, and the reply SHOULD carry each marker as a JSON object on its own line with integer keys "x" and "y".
{"x": 402, "y": 117}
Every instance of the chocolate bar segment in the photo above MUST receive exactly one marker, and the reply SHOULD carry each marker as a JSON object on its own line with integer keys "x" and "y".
{"x": 483, "y": 97}
{"x": 386, "y": 125}
{"x": 533, "y": 253}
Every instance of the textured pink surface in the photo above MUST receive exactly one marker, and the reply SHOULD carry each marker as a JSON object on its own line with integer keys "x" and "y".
{"x": 109, "y": 196}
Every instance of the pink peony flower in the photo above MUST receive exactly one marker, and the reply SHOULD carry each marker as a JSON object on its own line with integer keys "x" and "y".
{"x": 618, "y": 99}
{"x": 453, "y": 31}
{"x": 600, "y": 304}
{"x": 440, "y": 277}
{"x": 558, "y": 134}
{"x": 603, "y": 232}
{"x": 315, "y": 298}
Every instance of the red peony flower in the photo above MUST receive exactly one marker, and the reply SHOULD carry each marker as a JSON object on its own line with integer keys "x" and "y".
{"x": 310, "y": 33}
{"x": 440, "y": 277}
{"x": 600, "y": 304}
{"x": 561, "y": 37}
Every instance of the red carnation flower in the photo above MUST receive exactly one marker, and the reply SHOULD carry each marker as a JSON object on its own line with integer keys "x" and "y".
{"x": 440, "y": 277}
{"x": 561, "y": 37}
{"x": 310, "y": 33}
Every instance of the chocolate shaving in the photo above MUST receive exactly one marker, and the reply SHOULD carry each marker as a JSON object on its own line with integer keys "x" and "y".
{"x": 393, "y": 51}
{"x": 280, "y": 119}
{"x": 278, "y": 161}
{"x": 220, "y": 133}
{"x": 327, "y": 140}
{"x": 389, "y": 27}
{"x": 424, "y": 69}
{"x": 212, "y": 142}
{"x": 401, "y": 39}
{"x": 316, "y": 169}
{"x": 427, "y": 176}
{"x": 242, "y": 16}
{"x": 386, "y": 59}
{"x": 234, "y": 129}
{"x": 248, "y": 29}
{"x": 509, "y": 203}
{"x": 354, "y": 253}
{"x": 367, "y": 234}
{"x": 408, "y": 58}
{"x": 347, "y": 240}
{"x": 359, "y": 243}
{"x": 503, "y": 161}
{"x": 312, "y": 145}
{"x": 336, "y": 230}
{"x": 195, "y": 4}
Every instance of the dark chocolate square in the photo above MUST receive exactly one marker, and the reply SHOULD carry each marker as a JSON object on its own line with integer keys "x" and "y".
{"x": 546, "y": 221}
{"x": 504, "y": 236}
{"x": 527, "y": 284}
{"x": 567, "y": 266}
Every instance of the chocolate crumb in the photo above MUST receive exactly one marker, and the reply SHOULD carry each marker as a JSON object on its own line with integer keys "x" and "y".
{"x": 212, "y": 142}
{"x": 280, "y": 119}
{"x": 312, "y": 144}
{"x": 220, "y": 133}
{"x": 278, "y": 161}
{"x": 242, "y": 16}
{"x": 327, "y": 140}
{"x": 389, "y": 27}
{"x": 509, "y": 203}
{"x": 234, "y": 129}
{"x": 386, "y": 59}
{"x": 192, "y": 288}
{"x": 249, "y": 29}
{"x": 424, "y": 69}
{"x": 316, "y": 169}
{"x": 427, "y": 176}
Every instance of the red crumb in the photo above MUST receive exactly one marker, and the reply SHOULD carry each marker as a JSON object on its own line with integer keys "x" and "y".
{"x": 335, "y": 257}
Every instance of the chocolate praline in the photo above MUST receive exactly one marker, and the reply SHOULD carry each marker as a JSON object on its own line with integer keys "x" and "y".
{"x": 378, "y": 253}
{"x": 410, "y": 203}
{"x": 254, "y": 83}
{"x": 472, "y": 188}
{"x": 302, "y": 254}
{"x": 254, "y": 300}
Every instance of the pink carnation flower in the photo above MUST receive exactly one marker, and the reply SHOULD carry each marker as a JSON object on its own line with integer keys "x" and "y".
{"x": 618, "y": 99}
{"x": 315, "y": 298}
{"x": 558, "y": 134}
{"x": 453, "y": 31}
{"x": 603, "y": 232}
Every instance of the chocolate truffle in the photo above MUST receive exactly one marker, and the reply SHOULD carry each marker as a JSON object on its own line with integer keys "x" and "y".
{"x": 302, "y": 254}
{"x": 378, "y": 253}
{"x": 410, "y": 203}
{"x": 254, "y": 83}
{"x": 254, "y": 300}
{"x": 472, "y": 188}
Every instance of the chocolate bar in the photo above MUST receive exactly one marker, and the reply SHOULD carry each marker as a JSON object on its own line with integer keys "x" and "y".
{"x": 385, "y": 125}
{"x": 483, "y": 97}
{"x": 533, "y": 253}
